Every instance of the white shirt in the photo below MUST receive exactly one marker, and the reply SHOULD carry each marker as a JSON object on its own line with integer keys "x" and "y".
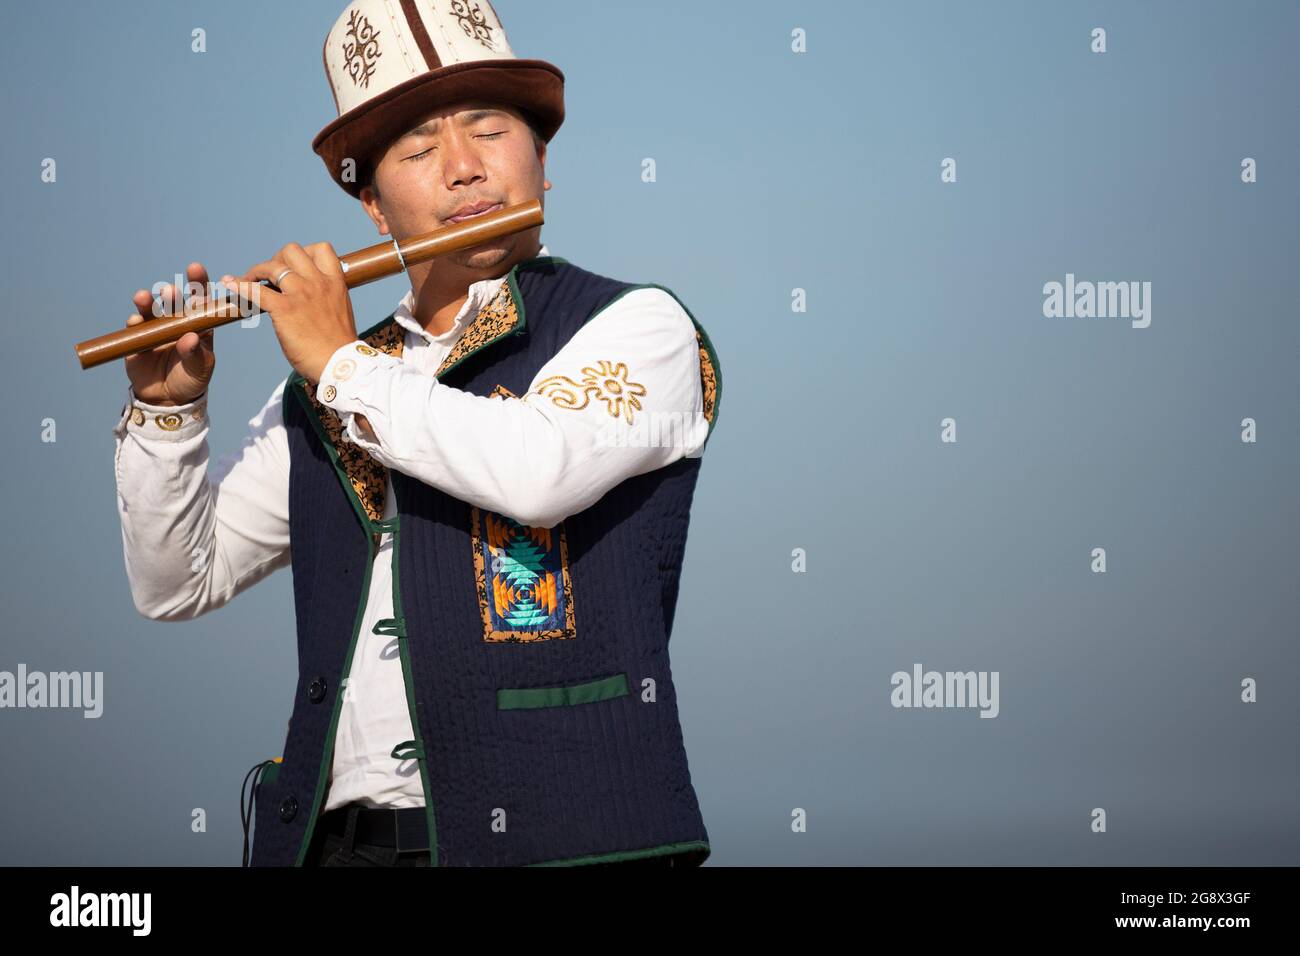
{"x": 192, "y": 540}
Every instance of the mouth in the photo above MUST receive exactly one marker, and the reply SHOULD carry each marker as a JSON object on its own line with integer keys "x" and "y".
{"x": 478, "y": 209}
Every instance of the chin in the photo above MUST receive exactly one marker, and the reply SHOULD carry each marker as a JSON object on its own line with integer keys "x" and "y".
{"x": 485, "y": 256}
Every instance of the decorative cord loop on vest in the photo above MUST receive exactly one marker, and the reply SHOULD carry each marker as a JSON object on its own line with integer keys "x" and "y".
{"x": 246, "y": 816}
{"x": 390, "y": 627}
{"x": 407, "y": 750}
{"x": 388, "y": 525}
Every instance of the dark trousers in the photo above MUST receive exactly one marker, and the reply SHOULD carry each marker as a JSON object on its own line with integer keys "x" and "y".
{"x": 330, "y": 848}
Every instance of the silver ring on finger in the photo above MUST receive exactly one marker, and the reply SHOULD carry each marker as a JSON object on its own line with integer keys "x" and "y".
{"x": 280, "y": 277}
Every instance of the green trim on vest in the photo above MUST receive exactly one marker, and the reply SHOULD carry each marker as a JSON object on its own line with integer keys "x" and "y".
{"x": 663, "y": 850}
{"x": 590, "y": 692}
{"x": 327, "y": 757}
{"x": 404, "y": 651}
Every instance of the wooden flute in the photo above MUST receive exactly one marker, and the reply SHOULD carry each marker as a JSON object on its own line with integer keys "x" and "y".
{"x": 365, "y": 265}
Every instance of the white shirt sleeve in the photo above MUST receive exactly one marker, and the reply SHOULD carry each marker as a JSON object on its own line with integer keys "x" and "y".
{"x": 193, "y": 540}
{"x": 622, "y": 397}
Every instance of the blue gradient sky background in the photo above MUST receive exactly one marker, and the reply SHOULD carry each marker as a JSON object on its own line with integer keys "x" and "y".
{"x": 775, "y": 171}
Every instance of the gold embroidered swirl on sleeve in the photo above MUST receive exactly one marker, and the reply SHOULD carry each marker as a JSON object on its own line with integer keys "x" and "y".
{"x": 606, "y": 383}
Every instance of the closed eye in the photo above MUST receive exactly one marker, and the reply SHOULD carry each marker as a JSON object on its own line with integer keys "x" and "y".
{"x": 425, "y": 152}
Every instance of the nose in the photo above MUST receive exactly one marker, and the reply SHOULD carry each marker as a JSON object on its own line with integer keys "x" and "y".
{"x": 463, "y": 165}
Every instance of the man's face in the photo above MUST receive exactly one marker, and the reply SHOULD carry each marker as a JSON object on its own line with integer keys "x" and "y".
{"x": 459, "y": 156}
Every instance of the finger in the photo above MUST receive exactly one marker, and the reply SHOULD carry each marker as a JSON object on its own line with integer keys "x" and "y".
{"x": 194, "y": 354}
{"x": 144, "y": 303}
{"x": 263, "y": 270}
{"x": 171, "y": 300}
{"x": 327, "y": 261}
{"x": 296, "y": 258}
{"x": 195, "y": 346}
{"x": 195, "y": 273}
{"x": 166, "y": 300}
{"x": 250, "y": 290}
{"x": 191, "y": 348}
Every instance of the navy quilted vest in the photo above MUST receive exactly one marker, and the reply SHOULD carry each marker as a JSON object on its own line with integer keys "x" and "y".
{"x": 535, "y": 660}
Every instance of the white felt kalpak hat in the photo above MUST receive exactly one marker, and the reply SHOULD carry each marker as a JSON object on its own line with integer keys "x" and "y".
{"x": 389, "y": 62}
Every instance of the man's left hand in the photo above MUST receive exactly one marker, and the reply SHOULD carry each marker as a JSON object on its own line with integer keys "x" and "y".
{"x": 312, "y": 312}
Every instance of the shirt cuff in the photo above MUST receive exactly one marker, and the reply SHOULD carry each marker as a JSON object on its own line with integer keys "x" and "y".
{"x": 347, "y": 383}
{"x": 162, "y": 422}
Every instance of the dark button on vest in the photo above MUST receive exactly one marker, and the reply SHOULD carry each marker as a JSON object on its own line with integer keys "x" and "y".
{"x": 317, "y": 690}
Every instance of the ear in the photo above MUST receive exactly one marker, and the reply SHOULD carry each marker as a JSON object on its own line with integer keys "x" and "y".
{"x": 370, "y": 202}
{"x": 541, "y": 159}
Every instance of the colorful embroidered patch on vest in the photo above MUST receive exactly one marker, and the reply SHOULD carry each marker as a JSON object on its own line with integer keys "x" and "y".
{"x": 524, "y": 591}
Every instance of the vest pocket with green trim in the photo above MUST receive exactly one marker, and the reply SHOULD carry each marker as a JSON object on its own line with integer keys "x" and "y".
{"x": 522, "y": 698}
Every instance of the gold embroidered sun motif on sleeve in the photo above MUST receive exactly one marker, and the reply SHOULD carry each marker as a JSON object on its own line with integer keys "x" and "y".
{"x": 606, "y": 383}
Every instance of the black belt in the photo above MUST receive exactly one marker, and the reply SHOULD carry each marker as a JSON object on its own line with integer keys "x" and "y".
{"x": 404, "y": 828}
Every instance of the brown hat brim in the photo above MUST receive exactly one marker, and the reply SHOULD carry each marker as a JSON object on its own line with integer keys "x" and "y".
{"x": 533, "y": 85}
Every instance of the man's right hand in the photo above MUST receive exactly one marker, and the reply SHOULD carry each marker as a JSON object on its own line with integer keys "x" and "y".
{"x": 178, "y": 372}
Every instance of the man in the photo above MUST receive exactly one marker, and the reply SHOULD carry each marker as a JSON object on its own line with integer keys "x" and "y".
{"x": 484, "y": 497}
